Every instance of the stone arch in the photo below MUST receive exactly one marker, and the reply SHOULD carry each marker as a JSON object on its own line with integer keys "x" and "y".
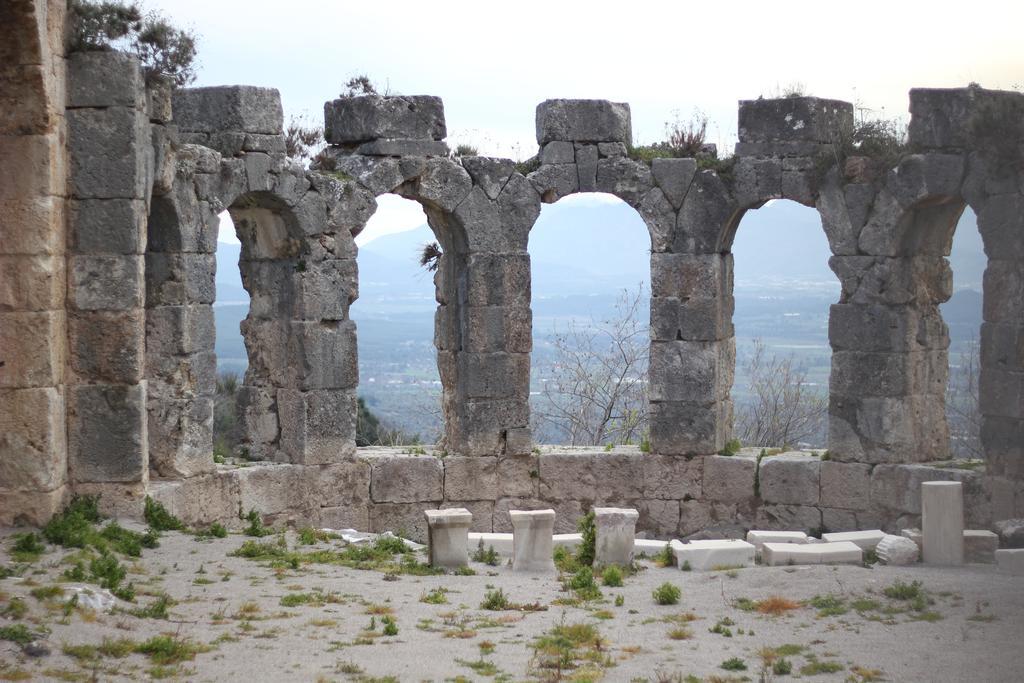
{"x": 480, "y": 211}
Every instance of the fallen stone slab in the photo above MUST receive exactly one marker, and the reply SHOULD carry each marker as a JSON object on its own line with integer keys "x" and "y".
{"x": 866, "y": 540}
{"x": 897, "y": 550}
{"x": 759, "y": 538}
{"x": 718, "y": 554}
{"x": 1010, "y": 561}
{"x": 532, "y": 548}
{"x": 615, "y": 532}
{"x": 448, "y": 537}
{"x": 843, "y": 552}
{"x": 980, "y": 546}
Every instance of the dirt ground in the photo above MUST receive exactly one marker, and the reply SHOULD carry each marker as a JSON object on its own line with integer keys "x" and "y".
{"x": 231, "y": 619}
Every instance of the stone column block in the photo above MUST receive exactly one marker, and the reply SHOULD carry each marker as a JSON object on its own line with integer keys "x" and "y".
{"x": 532, "y": 548}
{"x": 583, "y": 121}
{"x": 615, "y": 533}
{"x": 448, "y": 537}
{"x": 107, "y": 152}
{"x": 317, "y": 427}
{"x": 108, "y": 433}
{"x": 106, "y": 283}
{"x": 794, "y": 119}
{"x": 241, "y": 108}
{"x": 371, "y": 117}
{"x": 180, "y": 436}
{"x": 30, "y": 348}
{"x": 942, "y": 522}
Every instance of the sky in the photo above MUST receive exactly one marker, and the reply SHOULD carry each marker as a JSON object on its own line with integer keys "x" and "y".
{"x": 492, "y": 63}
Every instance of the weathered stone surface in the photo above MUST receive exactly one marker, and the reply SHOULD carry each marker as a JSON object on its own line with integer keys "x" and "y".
{"x": 107, "y": 433}
{"x": 980, "y": 546}
{"x": 519, "y": 475}
{"x": 625, "y": 178}
{"x": 179, "y": 330}
{"x": 448, "y": 537}
{"x": 845, "y": 485}
{"x": 400, "y": 518}
{"x": 392, "y": 147}
{"x": 104, "y": 79}
{"x": 180, "y": 436}
{"x": 406, "y": 479}
{"x": 490, "y": 173}
{"x": 471, "y": 478}
{"x": 107, "y": 226}
{"x": 691, "y": 371}
{"x": 897, "y": 550}
{"x": 241, "y": 108}
{"x": 555, "y": 181}
{"x": 29, "y": 225}
{"x": 583, "y": 121}
{"x": 729, "y": 478}
{"x": 794, "y": 119}
{"x": 674, "y": 176}
{"x": 280, "y": 492}
{"x": 790, "y": 479}
{"x": 31, "y": 508}
{"x": 372, "y": 117}
{"x": 33, "y": 450}
{"x": 658, "y": 518}
{"x": 110, "y": 346}
{"x": 672, "y": 477}
{"x": 788, "y": 517}
{"x": 558, "y": 152}
{"x": 586, "y": 167}
{"x": 29, "y": 348}
{"x": 567, "y": 512}
{"x": 106, "y": 283}
{"x": 898, "y": 487}
{"x": 615, "y": 529}
{"x": 180, "y": 279}
{"x": 317, "y": 427}
{"x": 107, "y": 153}
{"x": 689, "y": 428}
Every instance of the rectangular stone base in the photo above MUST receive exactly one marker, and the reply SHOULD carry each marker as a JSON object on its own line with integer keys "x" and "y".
{"x": 780, "y": 554}
{"x": 706, "y": 555}
{"x": 759, "y": 538}
{"x": 1010, "y": 561}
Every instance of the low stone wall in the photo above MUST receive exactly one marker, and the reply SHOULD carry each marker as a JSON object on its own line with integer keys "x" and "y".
{"x": 387, "y": 489}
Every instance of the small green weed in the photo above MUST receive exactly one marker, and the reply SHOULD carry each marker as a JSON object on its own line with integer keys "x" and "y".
{"x": 667, "y": 594}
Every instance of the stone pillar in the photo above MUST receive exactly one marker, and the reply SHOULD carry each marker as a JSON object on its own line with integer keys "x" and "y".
{"x": 532, "y": 548}
{"x": 942, "y": 522}
{"x": 111, "y": 165}
{"x": 33, "y": 176}
{"x": 448, "y": 537}
{"x": 615, "y": 533}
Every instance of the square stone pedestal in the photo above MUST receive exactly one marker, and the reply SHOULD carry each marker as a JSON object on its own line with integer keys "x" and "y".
{"x": 532, "y": 548}
{"x": 616, "y": 532}
{"x": 448, "y": 537}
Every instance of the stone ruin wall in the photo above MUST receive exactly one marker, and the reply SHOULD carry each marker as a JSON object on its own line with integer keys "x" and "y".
{"x": 109, "y": 195}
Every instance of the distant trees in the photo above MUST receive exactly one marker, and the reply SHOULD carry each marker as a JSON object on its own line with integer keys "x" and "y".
{"x": 783, "y": 410}
{"x": 595, "y": 388}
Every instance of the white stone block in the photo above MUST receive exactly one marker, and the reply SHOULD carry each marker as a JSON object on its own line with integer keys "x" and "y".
{"x": 532, "y": 532}
{"x": 866, "y": 540}
{"x": 845, "y": 552}
{"x": 501, "y": 542}
{"x": 897, "y": 550}
{"x": 648, "y": 546}
{"x": 942, "y": 522}
{"x": 448, "y": 537}
{"x": 615, "y": 530}
{"x": 1010, "y": 561}
{"x": 980, "y": 546}
{"x": 567, "y": 541}
{"x": 759, "y": 538}
{"x": 706, "y": 555}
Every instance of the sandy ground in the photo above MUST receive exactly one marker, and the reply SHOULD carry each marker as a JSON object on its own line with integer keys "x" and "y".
{"x": 974, "y": 631}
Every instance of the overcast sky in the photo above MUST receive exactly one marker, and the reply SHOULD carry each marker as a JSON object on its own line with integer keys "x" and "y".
{"x": 493, "y": 62}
